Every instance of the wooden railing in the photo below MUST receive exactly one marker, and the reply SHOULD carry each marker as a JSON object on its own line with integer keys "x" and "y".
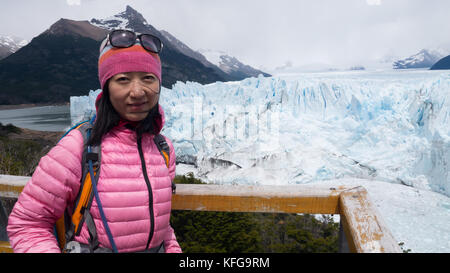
{"x": 361, "y": 224}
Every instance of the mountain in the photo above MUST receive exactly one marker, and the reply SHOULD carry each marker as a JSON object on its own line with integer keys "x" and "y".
{"x": 59, "y": 63}
{"x": 133, "y": 20}
{"x": 9, "y": 45}
{"x": 62, "y": 61}
{"x": 443, "y": 63}
{"x": 231, "y": 65}
{"x": 128, "y": 19}
{"x": 178, "y": 62}
{"x": 76, "y": 28}
{"x": 186, "y": 50}
{"x": 423, "y": 59}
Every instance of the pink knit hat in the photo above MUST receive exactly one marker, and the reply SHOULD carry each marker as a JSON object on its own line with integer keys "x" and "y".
{"x": 114, "y": 60}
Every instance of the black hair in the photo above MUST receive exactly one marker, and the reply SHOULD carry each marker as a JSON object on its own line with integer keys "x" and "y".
{"x": 107, "y": 118}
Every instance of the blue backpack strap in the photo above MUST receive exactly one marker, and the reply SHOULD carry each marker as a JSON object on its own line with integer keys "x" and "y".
{"x": 90, "y": 160}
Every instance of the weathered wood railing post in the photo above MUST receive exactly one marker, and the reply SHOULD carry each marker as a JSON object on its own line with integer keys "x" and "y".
{"x": 363, "y": 225}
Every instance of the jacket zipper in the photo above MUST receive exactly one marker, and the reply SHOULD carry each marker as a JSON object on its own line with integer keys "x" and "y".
{"x": 150, "y": 192}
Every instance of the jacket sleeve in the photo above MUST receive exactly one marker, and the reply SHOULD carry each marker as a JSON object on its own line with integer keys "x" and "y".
{"x": 170, "y": 241}
{"x": 43, "y": 200}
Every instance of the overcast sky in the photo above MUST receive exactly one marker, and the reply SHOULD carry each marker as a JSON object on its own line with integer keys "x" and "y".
{"x": 262, "y": 33}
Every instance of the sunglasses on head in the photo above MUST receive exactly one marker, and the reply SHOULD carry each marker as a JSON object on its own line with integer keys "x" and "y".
{"x": 127, "y": 38}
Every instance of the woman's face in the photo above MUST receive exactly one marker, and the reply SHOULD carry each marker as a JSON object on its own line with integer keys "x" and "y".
{"x": 133, "y": 94}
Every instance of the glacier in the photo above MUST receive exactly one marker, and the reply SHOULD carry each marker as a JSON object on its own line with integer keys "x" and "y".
{"x": 383, "y": 127}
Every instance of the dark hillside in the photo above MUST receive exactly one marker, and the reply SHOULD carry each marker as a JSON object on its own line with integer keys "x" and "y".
{"x": 443, "y": 63}
{"x": 50, "y": 69}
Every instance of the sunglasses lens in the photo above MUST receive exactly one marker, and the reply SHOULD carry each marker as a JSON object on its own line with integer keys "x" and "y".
{"x": 151, "y": 43}
{"x": 122, "y": 38}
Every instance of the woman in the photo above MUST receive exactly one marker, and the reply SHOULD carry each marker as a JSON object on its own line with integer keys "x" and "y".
{"x": 134, "y": 183}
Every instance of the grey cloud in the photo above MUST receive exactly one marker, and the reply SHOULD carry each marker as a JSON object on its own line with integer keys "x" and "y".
{"x": 261, "y": 32}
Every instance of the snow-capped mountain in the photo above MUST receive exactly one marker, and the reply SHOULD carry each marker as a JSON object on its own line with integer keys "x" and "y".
{"x": 10, "y": 44}
{"x": 216, "y": 59}
{"x": 173, "y": 63}
{"x": 231, "y": 65}
{"x": 424, "y": 59}
{"x": 186, "y": 50}
{"x": 219, "y": 58}
{"x": 128, "y": 19}
{"x": 183, "y": 48}
{"x": 133, "y": 20}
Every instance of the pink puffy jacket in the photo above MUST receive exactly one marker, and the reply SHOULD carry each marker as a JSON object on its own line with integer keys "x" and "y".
{"x": 122, "y": 189}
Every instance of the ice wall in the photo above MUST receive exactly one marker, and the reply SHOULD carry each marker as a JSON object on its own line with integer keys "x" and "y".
{"x": 83, "y": 107}
{"x": 390, "y": 126}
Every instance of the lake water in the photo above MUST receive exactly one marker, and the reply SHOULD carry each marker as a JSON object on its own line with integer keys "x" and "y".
{"x": 42, "y": 118}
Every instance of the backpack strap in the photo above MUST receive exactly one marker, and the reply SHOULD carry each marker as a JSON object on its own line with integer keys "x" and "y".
{"x": 93, "y": 244}
{"x": 63, "y": 224}
{"x": 70, "y": 224}
{"x": 164, "y": 149}
{"x": 83, "y": 202}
